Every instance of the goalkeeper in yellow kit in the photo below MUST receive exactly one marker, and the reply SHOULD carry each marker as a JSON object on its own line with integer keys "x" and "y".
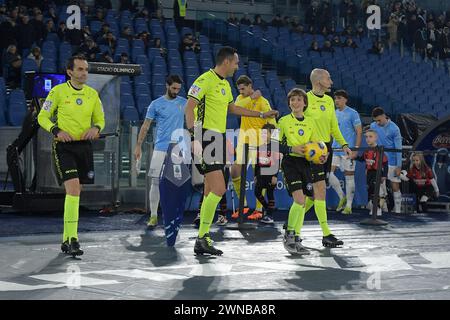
{"x": 250, "y": 131}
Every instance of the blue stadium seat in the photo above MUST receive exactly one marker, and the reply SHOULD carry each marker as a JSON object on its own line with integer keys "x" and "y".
{"x": 130, "y": 114}
{"x": 143, "y": 102}
{"x": 16, "y": 113}
{"x": 126, "y": 100}
{"x": 141, "y": 89}
{"x": 48, "y": 65}
{"x": 29, "y": 65}
{"x": 159, "y": 89}
{"x": 125, "y": 88}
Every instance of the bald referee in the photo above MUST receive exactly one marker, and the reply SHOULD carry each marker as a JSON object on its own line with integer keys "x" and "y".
{"x": 78, "y": 118}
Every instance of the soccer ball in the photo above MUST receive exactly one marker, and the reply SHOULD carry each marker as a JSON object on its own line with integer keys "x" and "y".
{"x": 316, "y": 152}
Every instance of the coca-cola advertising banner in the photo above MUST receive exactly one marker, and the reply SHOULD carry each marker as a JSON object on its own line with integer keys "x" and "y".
{"x": 435, "y": 142}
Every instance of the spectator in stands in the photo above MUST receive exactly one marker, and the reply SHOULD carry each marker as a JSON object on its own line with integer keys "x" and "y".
{"x": 108, "y": 40}
{"x": 158, "y": 15}
{"x": 105, "y": 4}
{"x": 52, "y": 15}
{"x": 377, "y": 48}
{"x": 277, "y": 22}
{"x": 326, "y": 16}
{"x": 440, "y": 22}
{"x": 348, "y": 31}
{"x": 86, "y": 32}
{"x": 49, "y": 27}
{"x": 102, "y": 32}
{"x": 420, "y": 41}
{"x": 360, "y": 32}
{"x": 445, "y": 44}
{"x": 3, "y": 12}
{"x": 75, "y": 37}
{"x": 145, "y": 37}
{"x": 144, "y": 14}
{"x": 397, "y": 9}
{"x": 327, "y": 47}
{"x": 90, "y": 49}
{"x": 337, "y": 41}
{"x": 25, "y": 35}
{"x": 106, "y": 57}
{"x": 13, "y": 64}
{"x": 296, "y": 26}
{"x": 259, "y": 22}
{"x": 245, "y": 20}
{"x": 328, "y": 31}
{"x": 349, "y": 43}
{"x": 127, "y": 34}
{"x": 8, "y": 32}
{"x": 99, "y": 15}
{"x": 179, "y": 12}
{"x": 157, "y": 44}
{"x": 232, "y": 19}
{"x": 126, "y": 5}
{"x": 351, "y": 13}
{"x": 38, "y": 27}
{"x": 402, "y": 30}
{"x": 124, "y": 58}
{"x": 433, "y": 39}
{"x": 36, "y": 55}
{"x": 286, "y": 21}
{"x": 312, "y": 17}
{"x": 189, "y": 44}
{"x": 314, "y": 46}
{"x": 392, "y": 29}
{"x": 62, "y": 31}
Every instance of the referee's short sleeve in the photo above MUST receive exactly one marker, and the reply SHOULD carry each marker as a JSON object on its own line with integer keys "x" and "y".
{"x": 199, "y": 88}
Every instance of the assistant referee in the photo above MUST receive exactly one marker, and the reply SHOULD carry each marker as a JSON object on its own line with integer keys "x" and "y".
{"x": 73, "y": 113}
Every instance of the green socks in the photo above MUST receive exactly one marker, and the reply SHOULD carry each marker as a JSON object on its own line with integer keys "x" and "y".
{"x": 207, "y": 212}
{"x": 71, "y": 207}
{"x": 293, "y": 216}
{"x": 321, "y": 213}
{"x": 301, "y": 218}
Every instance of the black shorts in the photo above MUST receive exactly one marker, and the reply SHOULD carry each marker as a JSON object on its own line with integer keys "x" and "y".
{"x": 297, "y": 175}
{"x": 73, "y": 160}
{"x": 214, "y": 153}
{"x": 320, "y": 172}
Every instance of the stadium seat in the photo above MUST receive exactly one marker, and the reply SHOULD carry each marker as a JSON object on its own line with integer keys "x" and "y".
{"x": 48, "y": 65}
{"x": 130, "y": 114}
{"x": 16, "y": 113}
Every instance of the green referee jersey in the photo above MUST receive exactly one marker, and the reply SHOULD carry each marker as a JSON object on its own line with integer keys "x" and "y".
{"x": 74, "y": 110}
{"x": 322, "y": 110}
{"x": 294, "y": 132}
{"x": 213, "y": 94}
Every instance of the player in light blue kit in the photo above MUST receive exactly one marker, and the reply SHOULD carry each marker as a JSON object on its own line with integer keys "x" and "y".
{"x": 168, "y": 113}
{"x": 389, "y": 136}
{"x": 350, "y": 126}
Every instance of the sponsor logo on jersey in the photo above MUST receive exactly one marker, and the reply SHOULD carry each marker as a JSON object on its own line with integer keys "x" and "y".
{"x": 322, "y": 107}
{"x": 79, "y": 102}
{"x": 301, "y": 132}
{"x": 223, "y": 91}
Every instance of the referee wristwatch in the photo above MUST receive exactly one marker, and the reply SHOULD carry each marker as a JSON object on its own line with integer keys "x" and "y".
{"x": 261, "y": 115}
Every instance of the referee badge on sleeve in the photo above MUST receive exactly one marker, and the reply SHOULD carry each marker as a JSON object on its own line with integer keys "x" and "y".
{"x": 194, "y": 91}
{"x": 47, "y": 105}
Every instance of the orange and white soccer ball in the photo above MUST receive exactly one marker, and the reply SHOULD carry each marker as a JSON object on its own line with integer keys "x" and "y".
{"x": 316, "y": 152}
